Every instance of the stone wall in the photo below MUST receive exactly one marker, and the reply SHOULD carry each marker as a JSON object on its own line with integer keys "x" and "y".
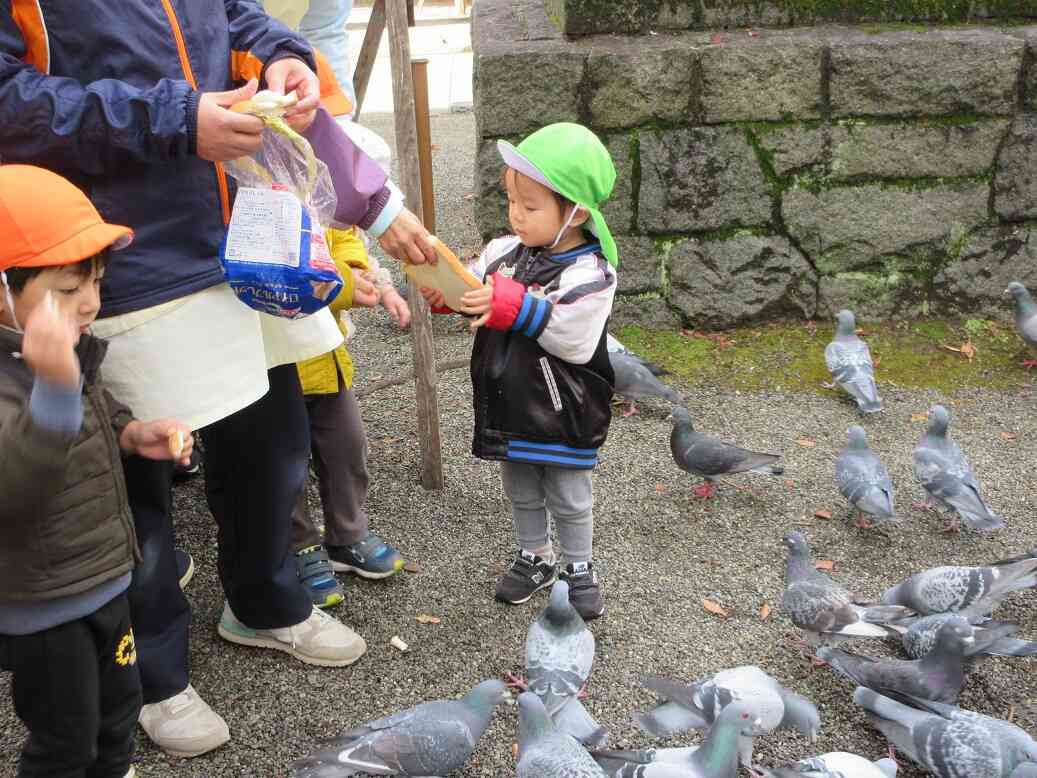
{"x": 787, "y": 173}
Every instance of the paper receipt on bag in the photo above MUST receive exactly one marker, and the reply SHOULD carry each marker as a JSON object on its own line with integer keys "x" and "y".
{"x": 448, "y": 276}
{"x": 266, "y": 227}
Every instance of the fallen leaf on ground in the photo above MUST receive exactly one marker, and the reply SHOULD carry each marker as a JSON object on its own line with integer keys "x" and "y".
{"x": 716, "y": 39}
{"x": 790, "y": 483}
{"x": 824, "y": 564}
{"x": 861, "y": 332}
{"x": 412, "y": 567}
{"x": 660, "y": 487}
{"x": 966, "y": 349}
{"x": 765, "y": 611}
{"x": 715, "y": 608}
{"x": 806, "y": 442}
{"x": 1007, "y": 436}
{"x": 923, "y": 416}
{"x": 424, "y": 618}
{"x": 514, "y": 750}
{"x": 876, "y": 361}
{"x": 470, "y": 196}
{"x": 811, "y": 327}
{"x": 821, "y": 513}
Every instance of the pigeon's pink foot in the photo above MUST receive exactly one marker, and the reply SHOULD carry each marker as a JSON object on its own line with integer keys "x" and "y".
{"x": 892, "y": 753}
{"x": 1028, "y": 363}
{"x": 953, "y": 527}
{"x": 582, "y": 693}
{"x": 705, "y": 490}
{"x": 862, "y": 523}
{"x": 924, "y": 505}
{"x": 516, "y": 682}
{"x": 630, "y": 410}
{"x": 752, "y": 772}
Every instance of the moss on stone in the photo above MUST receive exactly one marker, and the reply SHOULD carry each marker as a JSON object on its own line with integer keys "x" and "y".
{"x": 787, "y": 357}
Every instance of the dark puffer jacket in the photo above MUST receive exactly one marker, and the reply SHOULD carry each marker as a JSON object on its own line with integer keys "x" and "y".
{"x": 65, "y": 523}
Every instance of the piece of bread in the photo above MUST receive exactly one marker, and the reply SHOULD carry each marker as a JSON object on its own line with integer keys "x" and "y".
{"x": 176, "y": 444}
{"x": 448, "y": 276}
{"x": 266, "y": 103}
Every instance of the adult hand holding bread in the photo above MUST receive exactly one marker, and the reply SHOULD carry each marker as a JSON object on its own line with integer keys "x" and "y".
{"x": 161, "y": 439}
{"x": 223, "y": 133}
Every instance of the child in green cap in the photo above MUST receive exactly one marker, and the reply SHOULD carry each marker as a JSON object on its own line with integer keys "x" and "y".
{"x": 540, "y": 369}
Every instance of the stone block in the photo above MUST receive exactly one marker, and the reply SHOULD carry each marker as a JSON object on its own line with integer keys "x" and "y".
{"x": 872, "y": 296}
{"x": 491, "y": 200}
{"x": 932, "y": 73}
{"x": 640, "y": 265}
{"x": 588, "y": 17}
{"x": 619, "y": 208}
{"x": 634, "y": 83}
{"x": 700, "y": 179}
{"x": 845, "y": 229}
{"x": 745, "y": 278}
{"x": 975, "y": 281}
{"x": 915, "y": 151}
{"x": 795, "y": 149}
{"x": 649, "y": 311}
{"x": 737, "y": 15}
{"x": 776, "y": 76}
{"x": 1015, "y": 182}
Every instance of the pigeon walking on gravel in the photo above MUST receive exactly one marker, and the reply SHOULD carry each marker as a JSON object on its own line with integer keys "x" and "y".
{"x": 544, "y": 751}
{"x": 948, "y": 746}
{"x": 849, "y": 361}
{"x": 431, "y": 739}
{"x": 1025, "y": 317}
{"x": 637, "y": 379}
{"x": 717, "y": 757}
{"x": 698, "y": 706}
{"x": 711, "y": 458}
{"x": 837, "y": 764}
{"x": 992, "y": 638}
{"x": 559, "y": 657}
{"x": 970, "y": 590}
{"x": 863, "y": 480}
{"x": 944, "y": 472}
{"x": 939, "y": 675}
{"x": 823, "y": 610}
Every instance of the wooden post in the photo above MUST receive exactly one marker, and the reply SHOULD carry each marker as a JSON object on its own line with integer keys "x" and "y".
{"x": 419, "y": 72}
{"x": 410, "y": 182}
{"x": 368, "y": 54}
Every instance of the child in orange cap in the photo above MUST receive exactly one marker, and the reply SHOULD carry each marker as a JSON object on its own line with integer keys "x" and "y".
{"x": 67, "y": 542}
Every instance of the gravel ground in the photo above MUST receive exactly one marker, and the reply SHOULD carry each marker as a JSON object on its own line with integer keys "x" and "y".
{"x": 660, "y": 553}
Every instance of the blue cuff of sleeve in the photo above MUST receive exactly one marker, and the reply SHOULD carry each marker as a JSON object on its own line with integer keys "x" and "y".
{"x": 532, "y": 316}
{"x": 389, "y": 212}
{"x": 57, "y": 408}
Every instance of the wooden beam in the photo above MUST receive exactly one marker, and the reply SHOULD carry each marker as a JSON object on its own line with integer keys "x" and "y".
{"x": 368, "y": 54}
{"x": 419, "y": 73}
{"x": 410, "y": 13}
{"x": 425, "y": 377}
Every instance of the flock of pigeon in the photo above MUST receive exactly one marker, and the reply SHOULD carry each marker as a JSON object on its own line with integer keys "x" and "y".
{"x": 942, "y": 618}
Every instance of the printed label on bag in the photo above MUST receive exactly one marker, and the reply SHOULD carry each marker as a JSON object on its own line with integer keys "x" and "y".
{"x": 265, "y": 227}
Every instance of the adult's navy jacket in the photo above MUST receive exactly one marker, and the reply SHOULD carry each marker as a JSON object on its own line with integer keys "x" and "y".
{"x": 106, "y": 93}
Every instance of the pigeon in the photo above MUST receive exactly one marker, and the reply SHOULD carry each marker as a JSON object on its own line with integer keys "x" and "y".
{"x": 559, "y": 657}
{"x": 837, "y": 764}
{"x": 943, "y": 471}
{"x": 717, "y": 757}
{"x": 637, "y": 379}
{"x": 613, "y": 346}
{"x": 863, "y": 480}
{"x": 849, "y": 362}
{"x": 430, "y": 739}
{"x": 698, "y": 705}
{"x": 948, "y": 746}
{"x": 822, "y": 609}
{"x": 544, "y": 751}
{"x": 969, "y": 590}
{"x": 710, "y": 458}
{"x": 939, "y": 675}
{"x": 918, "y": 636}
{"x": 1025, "y": 317}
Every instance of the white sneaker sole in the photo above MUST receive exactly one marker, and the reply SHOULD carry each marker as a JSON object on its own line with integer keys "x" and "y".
{"x": 180, "y": 753}
{"x": 341, "y": 567}
{"x": 277, "y": 645}
{"x": 185, "y": 579}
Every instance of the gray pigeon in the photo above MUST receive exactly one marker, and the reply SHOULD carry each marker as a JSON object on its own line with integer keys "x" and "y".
{"x": 939, "y": 675}
{"x": 971, "y": 590}
{"x": 823, "y": 610}
{"x": 717, "y": 757}
{"x": 431, "y": 739}
{"x": 698, "y": 705}
{"x": 613, "y": 346}
{"x": 949, "y": 747}
{"x": 837, "y": 764}
{"x": 544, "y": 752}
{"x": 559, "y": 657}
{"x": 918, "y": 636}
{"x": 863, "y": 480}
{"x": 1025, "y": 316}
{"x": 849, "y": 361}
{"x": 944, "y": 472}
{"x": 710, "y": 458}
{"x": 637, "y": 380}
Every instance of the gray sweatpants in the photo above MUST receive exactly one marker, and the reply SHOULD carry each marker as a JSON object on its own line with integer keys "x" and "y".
{"x": 538, "y": 494}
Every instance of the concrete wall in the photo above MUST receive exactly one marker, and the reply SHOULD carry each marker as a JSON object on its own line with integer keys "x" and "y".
{"x": 789, "y": 173}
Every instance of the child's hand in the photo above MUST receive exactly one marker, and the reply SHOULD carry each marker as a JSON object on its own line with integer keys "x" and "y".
{"x": 478, "y": 302}
{"x": 162, "y": 439}
{"x": 433, "y": 297}
{"x": 365, "y": 294}
{"x": 49, "y": 343}
{"x": 396, "y": 306}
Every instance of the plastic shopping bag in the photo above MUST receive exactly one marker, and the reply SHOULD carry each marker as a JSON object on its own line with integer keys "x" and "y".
{"x": 275, "y": 256}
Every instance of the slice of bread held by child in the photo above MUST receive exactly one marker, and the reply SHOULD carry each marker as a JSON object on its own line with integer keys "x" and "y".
{"x": 448, "y": 275}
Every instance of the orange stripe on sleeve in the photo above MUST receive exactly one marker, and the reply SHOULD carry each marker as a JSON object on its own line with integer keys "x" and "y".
{"x": 29, "y": 17}
{"x": 245, "y": 65}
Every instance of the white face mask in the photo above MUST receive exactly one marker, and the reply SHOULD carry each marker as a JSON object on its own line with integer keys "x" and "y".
{"x": 9, "y": 299}
{"x": 568, "y": 221}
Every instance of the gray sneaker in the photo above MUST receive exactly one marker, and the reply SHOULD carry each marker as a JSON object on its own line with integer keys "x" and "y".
{"x": 371, "y": 557}
{"x": 527, "y": 575}
{"x": 584, "y": 589}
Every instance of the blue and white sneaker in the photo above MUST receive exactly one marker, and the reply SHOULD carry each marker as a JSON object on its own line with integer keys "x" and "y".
{"x": 372, "y": 557}
{"x": 316, "y": 574}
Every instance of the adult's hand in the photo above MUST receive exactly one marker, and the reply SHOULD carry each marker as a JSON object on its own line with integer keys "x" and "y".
{"x": 224, "y": 134}
{"x": 290, "y": 74}
{"x": 408, "y": 241}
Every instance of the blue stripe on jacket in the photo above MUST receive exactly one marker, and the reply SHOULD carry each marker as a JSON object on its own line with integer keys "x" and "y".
{"x": 554, "y": 454}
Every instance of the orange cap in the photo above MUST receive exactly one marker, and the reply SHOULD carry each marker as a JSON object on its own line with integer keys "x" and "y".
{"x": 45, "y": 221}
{"x": 331, "y": 95}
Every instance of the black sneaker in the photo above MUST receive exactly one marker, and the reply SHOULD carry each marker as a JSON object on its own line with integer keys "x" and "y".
{"x": 527, "y": 575}
{"x": 584, "y": 589}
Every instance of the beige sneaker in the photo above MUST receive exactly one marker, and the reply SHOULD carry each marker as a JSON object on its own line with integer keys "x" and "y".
{"x": 320, "y": 640}
{"x": 184, "y": 725}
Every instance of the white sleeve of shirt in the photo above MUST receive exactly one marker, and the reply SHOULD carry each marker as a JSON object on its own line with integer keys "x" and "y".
{"x": 580, "y": 309}
{"x": 493, "y": 251}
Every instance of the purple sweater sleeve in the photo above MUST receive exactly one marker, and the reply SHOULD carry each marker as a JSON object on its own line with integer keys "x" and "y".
{"x": 359, "y": 182}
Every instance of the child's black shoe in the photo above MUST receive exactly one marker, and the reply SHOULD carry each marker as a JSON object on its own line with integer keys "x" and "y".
{"x": 584, "y": 589}
{"x": 527, "y": 575}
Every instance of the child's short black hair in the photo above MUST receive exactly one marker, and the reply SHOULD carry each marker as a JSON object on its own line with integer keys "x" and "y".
{"x": 18, "y": 277}
{"x": 563, "y": 201}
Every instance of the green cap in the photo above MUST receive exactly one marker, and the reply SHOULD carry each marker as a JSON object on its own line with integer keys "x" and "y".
{"x": 569, "y": 159}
